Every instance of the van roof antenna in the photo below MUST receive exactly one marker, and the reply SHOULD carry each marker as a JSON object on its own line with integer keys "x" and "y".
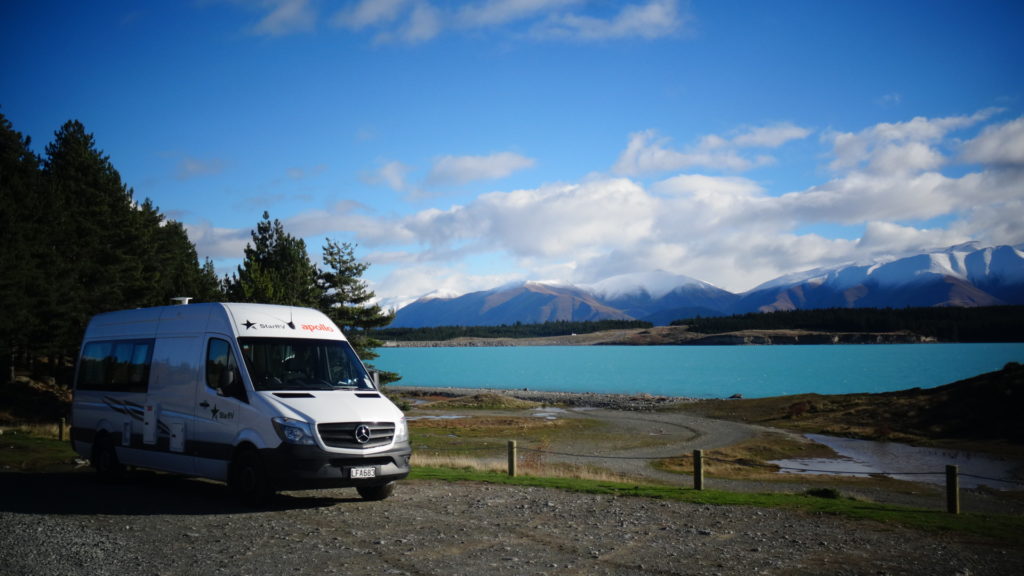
{"x": 181, "y": 300}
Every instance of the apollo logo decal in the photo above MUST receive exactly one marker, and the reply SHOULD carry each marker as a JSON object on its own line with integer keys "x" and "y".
{"x": 317, "y": 327}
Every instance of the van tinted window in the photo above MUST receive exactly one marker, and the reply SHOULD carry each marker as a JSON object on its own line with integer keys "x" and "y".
{"x": 115, "y": 366}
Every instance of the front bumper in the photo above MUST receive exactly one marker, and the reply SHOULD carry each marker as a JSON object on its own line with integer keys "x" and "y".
{"x": 292, "y": 467}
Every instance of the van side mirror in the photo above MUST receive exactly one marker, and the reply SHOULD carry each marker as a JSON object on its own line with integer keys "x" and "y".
{"x": 230, "y": 385}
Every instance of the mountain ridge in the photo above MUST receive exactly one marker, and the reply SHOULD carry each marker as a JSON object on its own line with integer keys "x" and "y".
{"x": 961, "y": 275}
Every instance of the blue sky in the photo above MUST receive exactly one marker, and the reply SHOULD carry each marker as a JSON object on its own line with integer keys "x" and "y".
{"x": 463, "y": 145}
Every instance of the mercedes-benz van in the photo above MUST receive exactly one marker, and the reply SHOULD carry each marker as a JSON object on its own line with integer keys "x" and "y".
{"x": 262, "y": 397}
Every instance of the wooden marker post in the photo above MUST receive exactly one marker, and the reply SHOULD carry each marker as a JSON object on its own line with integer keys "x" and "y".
{"x": 698, "y": 469}
{"x": 953, "y": 489}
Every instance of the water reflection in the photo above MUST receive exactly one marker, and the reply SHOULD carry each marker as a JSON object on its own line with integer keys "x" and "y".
{"x": 905, "y": 462}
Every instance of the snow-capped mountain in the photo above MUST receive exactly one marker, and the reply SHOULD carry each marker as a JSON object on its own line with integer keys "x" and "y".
{"x": 527, "y": 302}
{"x": 964, "y": 275}
{"x": 660, "y": 297}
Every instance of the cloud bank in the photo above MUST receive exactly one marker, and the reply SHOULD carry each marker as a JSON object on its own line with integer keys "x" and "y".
{"x": 900, "y": 187}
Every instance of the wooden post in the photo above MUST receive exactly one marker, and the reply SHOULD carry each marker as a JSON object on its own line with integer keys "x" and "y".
{"x": 511, "y": 457}
{"x": 952, "y": 489}
{"x": 60, "y": 430}
{"x": 698, "y": 469}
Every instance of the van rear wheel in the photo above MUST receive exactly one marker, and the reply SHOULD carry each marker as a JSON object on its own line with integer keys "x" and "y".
{"x": 104, "y": 459}
{"x": 248, "y": 478}
{"x": 379, "y": 492}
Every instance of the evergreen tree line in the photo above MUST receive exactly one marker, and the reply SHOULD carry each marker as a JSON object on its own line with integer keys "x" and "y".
{"x": 74, "y": 242}
{"x": 947, "y": 324}
{"x": 517, "y": 330}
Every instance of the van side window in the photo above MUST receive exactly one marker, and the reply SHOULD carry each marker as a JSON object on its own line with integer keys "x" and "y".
{"x": 115, "y": 366}
{"x": 222, "y": 370}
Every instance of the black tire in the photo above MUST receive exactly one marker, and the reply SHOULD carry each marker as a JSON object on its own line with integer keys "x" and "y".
{"x": 248, "y": 478}
{"x": 378, "y": 492}
{"x": 104, "y": 459}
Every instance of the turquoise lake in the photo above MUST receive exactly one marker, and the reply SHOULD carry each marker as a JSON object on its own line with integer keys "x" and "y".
{"x": 699, "y": 371}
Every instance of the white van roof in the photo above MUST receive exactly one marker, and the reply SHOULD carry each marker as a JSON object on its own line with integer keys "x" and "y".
{"x": 253, "y": 320}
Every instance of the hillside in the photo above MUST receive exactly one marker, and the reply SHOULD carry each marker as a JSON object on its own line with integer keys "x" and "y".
{"x": 984, "y": 409}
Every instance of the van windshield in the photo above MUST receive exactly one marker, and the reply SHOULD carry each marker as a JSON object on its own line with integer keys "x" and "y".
{"x": 301, "y": 364}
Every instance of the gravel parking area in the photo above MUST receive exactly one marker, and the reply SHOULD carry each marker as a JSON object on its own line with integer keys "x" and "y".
{"x": 162, "y": 525}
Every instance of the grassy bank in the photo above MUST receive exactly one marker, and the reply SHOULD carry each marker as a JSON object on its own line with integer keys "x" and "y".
{"x": 998, "y": 528}
{"x": 978, "y": 414}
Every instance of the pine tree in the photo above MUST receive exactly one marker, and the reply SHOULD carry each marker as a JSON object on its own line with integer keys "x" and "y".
{"x": 276, "y": 269}
{"x": 91, "y": 235}
{"x": 21, "y": 210}
{"x": 347, "y": 300}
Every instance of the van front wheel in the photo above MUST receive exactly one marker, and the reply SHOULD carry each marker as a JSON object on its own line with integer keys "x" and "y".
{"x": 379, "y": 492}
{"x": 248, "y": 478}
{"x": 104, "y": 459}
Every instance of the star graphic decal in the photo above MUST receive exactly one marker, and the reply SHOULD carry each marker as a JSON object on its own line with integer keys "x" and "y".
{"x": 248, "y": 324}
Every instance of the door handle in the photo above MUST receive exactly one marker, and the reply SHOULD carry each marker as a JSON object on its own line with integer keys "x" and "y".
{"x": 204, "y": 404}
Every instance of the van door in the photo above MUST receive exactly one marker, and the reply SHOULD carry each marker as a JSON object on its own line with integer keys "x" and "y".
{"x": 221, "y": 402}
{"x": 168, "y": 412}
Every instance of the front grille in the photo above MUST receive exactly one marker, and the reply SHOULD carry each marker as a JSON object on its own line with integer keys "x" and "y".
{"x": 343, "y": 434}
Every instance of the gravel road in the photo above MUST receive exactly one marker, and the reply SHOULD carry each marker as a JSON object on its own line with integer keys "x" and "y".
{"x": 161, "y": 525}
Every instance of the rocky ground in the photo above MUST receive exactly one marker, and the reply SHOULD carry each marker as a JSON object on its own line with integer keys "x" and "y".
{"x": 157, "y": 524}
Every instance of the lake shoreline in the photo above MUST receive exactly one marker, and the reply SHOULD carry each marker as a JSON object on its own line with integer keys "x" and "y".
{"x": 679, "y": 336}
{"x": 628, "y": 402}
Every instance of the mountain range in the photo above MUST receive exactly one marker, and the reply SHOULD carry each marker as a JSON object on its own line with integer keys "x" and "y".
{"x": 964, "y": 275}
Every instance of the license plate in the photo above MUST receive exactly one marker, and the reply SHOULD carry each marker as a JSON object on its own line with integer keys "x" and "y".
{"x": 368, "y": 472}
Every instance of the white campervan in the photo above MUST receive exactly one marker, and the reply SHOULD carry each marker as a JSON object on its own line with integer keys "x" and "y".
{"x": 262, "y": 397}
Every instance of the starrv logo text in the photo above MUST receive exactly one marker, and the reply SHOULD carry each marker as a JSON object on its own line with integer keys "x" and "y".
{"x": 317, "y": 327}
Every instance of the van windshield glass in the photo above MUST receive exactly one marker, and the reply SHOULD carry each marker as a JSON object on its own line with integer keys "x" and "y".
{"x": 301, "y": 364}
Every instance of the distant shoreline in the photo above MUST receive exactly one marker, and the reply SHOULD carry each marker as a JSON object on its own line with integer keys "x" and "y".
{"x": 632, "y": 402}
{"x": 679, "y": 336}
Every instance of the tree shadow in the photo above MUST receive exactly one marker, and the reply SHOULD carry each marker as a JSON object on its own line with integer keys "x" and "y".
{"x": 140, "y": 493}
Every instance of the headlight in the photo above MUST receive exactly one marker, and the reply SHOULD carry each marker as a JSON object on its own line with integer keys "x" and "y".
{"x": 401, "y": 431}
{"x": 294, "y": 431}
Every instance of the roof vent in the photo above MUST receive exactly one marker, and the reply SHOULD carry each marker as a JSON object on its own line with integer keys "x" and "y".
{"x": 182, "y": 300}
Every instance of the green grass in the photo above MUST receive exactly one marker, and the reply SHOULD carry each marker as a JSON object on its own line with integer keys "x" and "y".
{"x": 999, "y": 528}
{"x": 24, "y": 451}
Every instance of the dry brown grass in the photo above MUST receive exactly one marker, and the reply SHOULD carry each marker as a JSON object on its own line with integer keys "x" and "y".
{"x": 526, "y": 466}
{"x": 749, "y": 460}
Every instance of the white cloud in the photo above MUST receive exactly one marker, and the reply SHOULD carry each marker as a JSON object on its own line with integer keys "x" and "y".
{"x": 655, "y": 19}
{"x": 855, "y": 150}
{"x": 887, "y": 237}
{"x": 498, "y": 12}
{"x": 412, "y": 281}
{"x": 286, "y": 17}
{"x": 1001, "y": 145}
{"x": 391, "y": 174}
{"x": 649, "y": 153}
{"x": 462, "y": 169}
{"x": 369, "y": 13}
{"x": 190, "y": 167}
{"x": 396, "y": 21}
{"x": 771, "y": 136}
{"x": 424, "y": 24}
{"x": 418, "y": 21}
{"x": 217, "y": 243}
